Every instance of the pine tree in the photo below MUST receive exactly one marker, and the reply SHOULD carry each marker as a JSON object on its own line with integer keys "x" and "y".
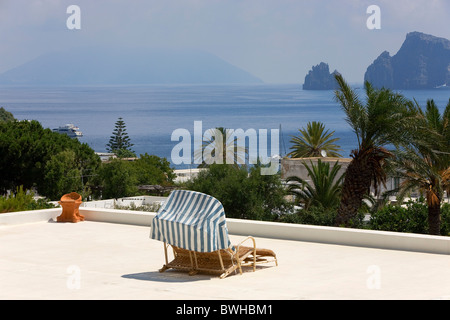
{"x": 119, "y": 142}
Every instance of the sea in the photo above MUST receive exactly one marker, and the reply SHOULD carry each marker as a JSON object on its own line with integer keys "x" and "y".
{"x": 152, "y": 113}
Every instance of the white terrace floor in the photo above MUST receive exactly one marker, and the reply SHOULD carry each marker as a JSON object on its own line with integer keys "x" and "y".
{"x": 98, "y": 260}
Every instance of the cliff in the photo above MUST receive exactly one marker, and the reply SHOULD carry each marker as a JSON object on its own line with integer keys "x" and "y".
{"x": 423, "y": 62}
{"x": 320, "y": 78}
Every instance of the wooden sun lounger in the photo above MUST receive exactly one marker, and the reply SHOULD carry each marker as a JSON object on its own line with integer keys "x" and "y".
{"x": 194, "y": 225}
{"x": 222, "y": 262}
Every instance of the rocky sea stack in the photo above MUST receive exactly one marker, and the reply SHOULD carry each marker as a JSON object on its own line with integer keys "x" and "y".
{"x": 320, "y": 78}
{"x": 423, "y": 62}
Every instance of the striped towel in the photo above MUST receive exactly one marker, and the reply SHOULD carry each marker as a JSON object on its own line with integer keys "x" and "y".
{"x": 192, "y": 221}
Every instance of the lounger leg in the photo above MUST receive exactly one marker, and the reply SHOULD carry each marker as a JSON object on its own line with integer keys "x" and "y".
{"x": 254, "y": 251}
{"x": 193, "y": 270}
{"x": 239, "y": 266}
{"x": 165, "y": 267}
{"x": 254, "y": 258}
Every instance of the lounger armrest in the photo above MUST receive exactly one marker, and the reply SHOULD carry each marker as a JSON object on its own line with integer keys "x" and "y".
{"x": 246, "y": 239}
{"x": 254, "y": 250}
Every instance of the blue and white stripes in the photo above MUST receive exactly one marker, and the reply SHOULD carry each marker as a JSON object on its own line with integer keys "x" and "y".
{"x": 193, "y": 221}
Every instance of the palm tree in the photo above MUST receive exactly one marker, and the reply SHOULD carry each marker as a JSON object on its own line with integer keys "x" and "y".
{"x": 381, "y": 121}
{"x": 324, "y": 189}
{"x": 312, "y": 141}
{"x": 218, "y": 141}
{"x": 425, "y": 165}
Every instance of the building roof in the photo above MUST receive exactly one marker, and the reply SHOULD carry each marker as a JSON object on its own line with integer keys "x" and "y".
{"x": 97, "y": 260}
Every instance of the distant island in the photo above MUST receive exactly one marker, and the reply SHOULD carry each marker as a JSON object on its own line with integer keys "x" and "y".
{"x": 116, "y": 66}
{"x": 320, "y": 78}
{"x": 423, "y": 62}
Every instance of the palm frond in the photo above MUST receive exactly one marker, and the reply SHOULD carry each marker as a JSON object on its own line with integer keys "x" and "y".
{"x": 349, "y": 100}
{"x": 322, "y": 188}
{"x": 312, "y": 141}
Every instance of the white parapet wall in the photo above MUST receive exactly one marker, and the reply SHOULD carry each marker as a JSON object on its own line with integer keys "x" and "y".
{"x": 138, "y": 218}
{"x": 275, "y": 230}
{"x": 22, "y": 217}
{"x": 342, "y": 236}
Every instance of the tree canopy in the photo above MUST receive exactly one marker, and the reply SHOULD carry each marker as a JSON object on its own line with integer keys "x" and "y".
{"x": 424, "y": 165}
{"x": 118, "y": 178}
{"x": 34, "y": 157}
{"x": 244, "y": 193}
{"x": 6, "y": 116}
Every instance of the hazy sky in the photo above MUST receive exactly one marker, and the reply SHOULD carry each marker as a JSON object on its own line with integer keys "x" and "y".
{"x": 276, "y": 40}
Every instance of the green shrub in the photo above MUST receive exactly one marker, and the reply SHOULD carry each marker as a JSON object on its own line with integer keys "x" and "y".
{"x": 314, "y": 215}
{"x": 445, "y": 219}
{"x": 320, "y": 216}
{"x": 412, "y": 218}
{"x": 22, "y": 201}
{"x": 118, "y": 178}
{"x": 245, "y": 194}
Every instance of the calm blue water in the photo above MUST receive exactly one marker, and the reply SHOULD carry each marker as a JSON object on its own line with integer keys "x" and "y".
{"x": 153, "y": 112}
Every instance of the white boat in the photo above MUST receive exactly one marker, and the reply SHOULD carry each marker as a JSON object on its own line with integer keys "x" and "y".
{"x": 69, "y": 129}
{"x": 444, "y": 86}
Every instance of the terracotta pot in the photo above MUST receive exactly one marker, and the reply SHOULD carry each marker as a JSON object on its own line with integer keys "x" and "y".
{"x": 70, "y": 203}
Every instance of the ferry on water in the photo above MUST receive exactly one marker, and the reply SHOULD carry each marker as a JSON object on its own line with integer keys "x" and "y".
{"x": 444, "y": 86}
{"x": 69, "y": 129}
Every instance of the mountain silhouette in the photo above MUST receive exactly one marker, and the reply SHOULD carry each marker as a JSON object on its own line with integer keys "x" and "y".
{"x": 114, "y": 66}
